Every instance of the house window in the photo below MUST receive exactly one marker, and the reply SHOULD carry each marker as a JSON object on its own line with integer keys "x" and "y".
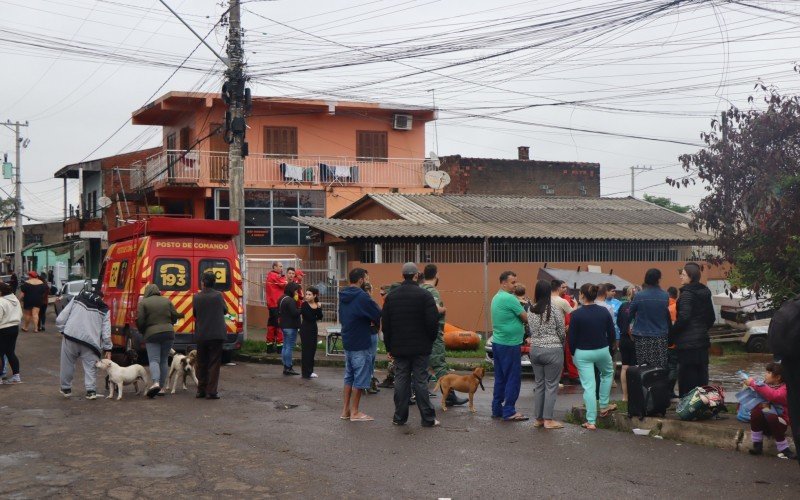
{"x": 172, "y": 143}
{"x": 280, "y": 141}
{"x": 372, "y": 146}
{"x": 268, "y": 214}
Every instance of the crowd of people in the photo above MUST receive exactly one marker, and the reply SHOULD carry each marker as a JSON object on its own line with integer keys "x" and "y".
{"x": 564, "y": 339}
{"x": 26, "y": 312}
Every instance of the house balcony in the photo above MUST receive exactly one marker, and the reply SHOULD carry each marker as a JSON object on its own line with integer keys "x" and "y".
{"x": 75, "y": 227}
{"x": 209, "y": 169}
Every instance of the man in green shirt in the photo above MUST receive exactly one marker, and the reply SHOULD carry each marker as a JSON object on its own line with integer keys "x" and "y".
{"x": 437, "y": 361}
{"x": 508, "y": 330}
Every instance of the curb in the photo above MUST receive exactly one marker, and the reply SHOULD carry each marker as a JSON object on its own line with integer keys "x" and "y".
{"x": 715, "y": 436}
{"x": 275, "y": 359}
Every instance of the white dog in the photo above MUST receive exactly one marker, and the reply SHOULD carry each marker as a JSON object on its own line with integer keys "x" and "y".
{"x": 119, "y": 376}
{"x": 181, "y": 365}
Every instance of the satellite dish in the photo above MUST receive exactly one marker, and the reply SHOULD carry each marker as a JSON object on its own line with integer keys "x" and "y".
{"x": 104, "y": 202}
{"x": 435, "y": 159}
{"x": 437, "y": 179}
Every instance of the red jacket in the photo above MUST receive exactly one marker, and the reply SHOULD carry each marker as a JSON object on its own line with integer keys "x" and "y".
{"x": 275, "y": 285}
{"x": 775, "y": 395}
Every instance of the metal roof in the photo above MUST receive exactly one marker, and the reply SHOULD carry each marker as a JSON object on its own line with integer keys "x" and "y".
{"x": 346, "y": 228}
{"x": 542, "y": 217}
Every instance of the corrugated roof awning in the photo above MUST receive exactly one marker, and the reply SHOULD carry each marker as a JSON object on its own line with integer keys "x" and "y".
{"x": 344, "y": 228}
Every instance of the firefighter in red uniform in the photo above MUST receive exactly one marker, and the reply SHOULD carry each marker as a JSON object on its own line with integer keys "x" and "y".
{"x": 276, "y": 282}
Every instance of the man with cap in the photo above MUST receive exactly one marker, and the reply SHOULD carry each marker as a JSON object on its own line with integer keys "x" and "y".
{"x": 410, "y": 321}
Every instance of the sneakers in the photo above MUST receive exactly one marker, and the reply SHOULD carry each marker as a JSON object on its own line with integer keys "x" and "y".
{"x": 388, "y": 383}
{"x": 91, "y": 394}
{"x": 313, "y": 375}
{"x": 65, "y": 392}
{"x": 435, "y": 423}
{"x": 787, "y": 454}
{"x": 153, "y": 390}
{"x": 13, "y": 380}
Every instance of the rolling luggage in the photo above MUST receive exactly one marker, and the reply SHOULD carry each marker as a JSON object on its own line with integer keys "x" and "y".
{"x": 649, "y": 391}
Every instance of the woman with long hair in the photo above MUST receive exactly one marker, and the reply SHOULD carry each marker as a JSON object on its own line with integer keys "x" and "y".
{"x": 311, "y": 312}
{"x": 289, "y": 316}
{"x": 547, "y": 339}
{"x": 10, "y": 316}
{"x": 33, "y": 292}
{"x": 591, "y": 340}
{"x": 690, "y": 331}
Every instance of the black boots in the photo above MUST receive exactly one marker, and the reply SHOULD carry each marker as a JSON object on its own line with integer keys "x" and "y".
{"x": 757, "y": 449}
{"x": 454, "y": 400}
{"x": 388, "y": 383}
{"x": 287, "y": 370}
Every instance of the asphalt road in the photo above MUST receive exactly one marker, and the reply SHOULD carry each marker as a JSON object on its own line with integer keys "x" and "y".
{"x": 271, "y": 435}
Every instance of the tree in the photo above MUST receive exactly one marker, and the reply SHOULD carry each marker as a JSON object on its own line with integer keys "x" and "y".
{"x": 751, "y": 168}
{"x": 667, "y": 203}
{"x": 7, "y": 209}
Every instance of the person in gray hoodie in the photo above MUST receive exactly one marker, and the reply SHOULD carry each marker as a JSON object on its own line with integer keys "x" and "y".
{"x": 85, "y": 324}
{"x": 10, "y": 317}
{"x": 155, "y": 318}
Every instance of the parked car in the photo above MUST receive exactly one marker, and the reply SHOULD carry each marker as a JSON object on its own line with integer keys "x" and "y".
{"x": 68, "y": 291}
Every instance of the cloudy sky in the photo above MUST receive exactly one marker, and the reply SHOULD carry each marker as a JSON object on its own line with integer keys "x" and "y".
{"x": 618, "y": 82}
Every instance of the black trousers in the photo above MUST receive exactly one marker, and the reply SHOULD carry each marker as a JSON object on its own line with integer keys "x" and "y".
{"x": 209, "y": 359}
{"x": 8, "y": 344}
{"x": 308, "y": 345}
{"x": 42, "y": 316}
{"x": 405, "y": 367}
{"x": 692, "y": 369}
{"x": 791, "y": 375}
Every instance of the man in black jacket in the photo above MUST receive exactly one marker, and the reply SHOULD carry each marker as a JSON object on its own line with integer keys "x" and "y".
{"x": 410, "y": 324}
{"x": 210, "y": 333}
{"x": 690, "y": 331}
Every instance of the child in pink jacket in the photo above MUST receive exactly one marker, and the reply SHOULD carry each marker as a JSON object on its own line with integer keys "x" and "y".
{"x": 772, "y": 417}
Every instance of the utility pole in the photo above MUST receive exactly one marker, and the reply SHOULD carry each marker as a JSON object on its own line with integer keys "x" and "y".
{"x": 18, "y": 236}
{"x": 633, "y": 177}
{"x": 234, "y": 94}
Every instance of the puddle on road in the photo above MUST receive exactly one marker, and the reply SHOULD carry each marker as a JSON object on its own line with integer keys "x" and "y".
{"x": 723, "y": 370}
{"x": 19, "y": 458}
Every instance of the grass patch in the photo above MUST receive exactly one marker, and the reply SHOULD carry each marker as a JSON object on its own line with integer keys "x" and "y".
{"x": 251, "y": 346}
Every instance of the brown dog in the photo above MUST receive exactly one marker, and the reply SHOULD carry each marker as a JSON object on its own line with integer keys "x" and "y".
{"x": 464, "y": 383}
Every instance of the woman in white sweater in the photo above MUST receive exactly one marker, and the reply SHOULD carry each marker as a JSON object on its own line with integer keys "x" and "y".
{"x": 10, "y": 317}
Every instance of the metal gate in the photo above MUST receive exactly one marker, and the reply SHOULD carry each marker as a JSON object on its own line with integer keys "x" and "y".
{"x": 315, "y": 273}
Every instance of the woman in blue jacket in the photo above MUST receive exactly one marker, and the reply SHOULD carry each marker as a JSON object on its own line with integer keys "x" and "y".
{"x": 650, "y": 313}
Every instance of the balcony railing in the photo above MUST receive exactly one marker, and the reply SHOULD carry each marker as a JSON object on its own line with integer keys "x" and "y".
{"x": 210, "y": 169}
{"x": 74, "y": 225}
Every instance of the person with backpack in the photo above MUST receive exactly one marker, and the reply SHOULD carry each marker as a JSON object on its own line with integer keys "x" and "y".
{"x": 771, "y": 417}
{"x": 690, "y": 331}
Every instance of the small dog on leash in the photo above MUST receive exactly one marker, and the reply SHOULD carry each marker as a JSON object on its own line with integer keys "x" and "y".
{"x": 464, "y": 383}
{"x": 119, "y": 376}
{"x": 181, "y": 365}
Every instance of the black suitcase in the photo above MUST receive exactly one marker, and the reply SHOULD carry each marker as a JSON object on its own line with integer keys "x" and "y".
{"x": 649, "y": 391}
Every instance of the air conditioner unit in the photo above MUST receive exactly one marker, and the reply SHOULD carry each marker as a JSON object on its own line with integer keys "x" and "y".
{"x": 544, "y": 187}
{"x": 550, "y": 191}
{"x": 402, "y": 122}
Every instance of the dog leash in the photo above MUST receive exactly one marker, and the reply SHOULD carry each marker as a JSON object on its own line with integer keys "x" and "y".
{"x": 480, "y": 381}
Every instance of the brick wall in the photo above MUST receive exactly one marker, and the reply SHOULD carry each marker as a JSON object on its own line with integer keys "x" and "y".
{"x": 521, "y": 177}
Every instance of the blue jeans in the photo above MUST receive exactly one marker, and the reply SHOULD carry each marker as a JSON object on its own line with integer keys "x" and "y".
{"x": 507, "y": 379}
{"x": 357, "y": 368}
{"x": 289, "y": 340}
{"x": 158, "y": 355}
